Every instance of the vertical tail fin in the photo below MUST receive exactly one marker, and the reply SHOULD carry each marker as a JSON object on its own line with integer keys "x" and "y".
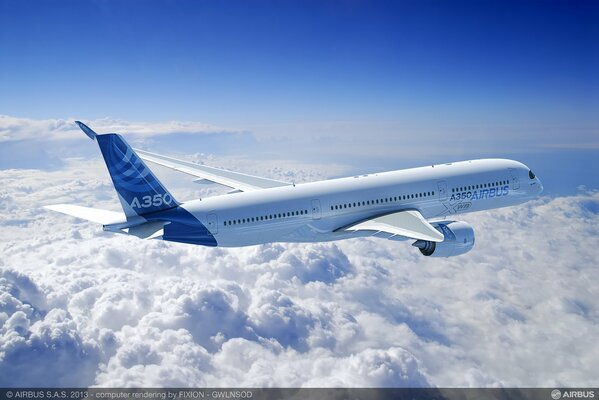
{"x": 139, "y": 191}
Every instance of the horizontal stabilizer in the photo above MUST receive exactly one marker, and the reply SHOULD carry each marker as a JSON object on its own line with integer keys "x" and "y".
{"x": 235, "y": 180}
{"x": 148, "y": 230}
{"x": 97, "y": 215}
{"x": 409, "y": 223}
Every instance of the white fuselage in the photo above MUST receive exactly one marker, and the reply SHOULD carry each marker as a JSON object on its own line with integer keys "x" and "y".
{"x": 314, "y": 212}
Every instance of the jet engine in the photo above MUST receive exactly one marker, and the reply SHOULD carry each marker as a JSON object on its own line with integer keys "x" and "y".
{"x": 459, "y": 239}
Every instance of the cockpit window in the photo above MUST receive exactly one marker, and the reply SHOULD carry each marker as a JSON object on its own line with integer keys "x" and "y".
{"x": 531, "y": 174}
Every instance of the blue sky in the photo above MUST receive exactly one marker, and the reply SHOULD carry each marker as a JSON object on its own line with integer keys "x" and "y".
{"x": 463, "y": 79}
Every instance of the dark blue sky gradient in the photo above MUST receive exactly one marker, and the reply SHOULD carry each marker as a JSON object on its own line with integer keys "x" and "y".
{"x": 473, "y": 77}
{"x": 252, "y": 61}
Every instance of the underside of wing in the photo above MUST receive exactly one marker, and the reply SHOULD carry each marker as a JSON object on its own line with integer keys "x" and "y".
{"x": 235, "y": 180}
{"x": 408, "y": 223}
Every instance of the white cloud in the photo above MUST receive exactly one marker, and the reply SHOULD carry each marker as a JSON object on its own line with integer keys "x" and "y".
{"x": 14, "y": 128}
{"x": 81, "y": 307}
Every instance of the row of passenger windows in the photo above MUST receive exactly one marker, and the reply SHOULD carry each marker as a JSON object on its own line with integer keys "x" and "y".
{"x": 480, "y": 186}
{"x": 382, "y": 201}
{"x": 264, "y": 217}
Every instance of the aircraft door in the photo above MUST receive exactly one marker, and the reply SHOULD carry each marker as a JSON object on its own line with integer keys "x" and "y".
{"x": 315, "y": 209}
{"x": 442, "y": 186}
{"x": 212, "y": 223}
{"x": 515, "y": 181}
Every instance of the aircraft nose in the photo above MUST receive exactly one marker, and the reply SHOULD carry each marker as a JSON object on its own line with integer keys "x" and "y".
{"x": 536, "y": 187}
{"x": 539, "y": 186}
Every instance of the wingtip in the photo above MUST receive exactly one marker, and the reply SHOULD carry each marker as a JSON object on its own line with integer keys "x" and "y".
{"x": 87, "y": 130}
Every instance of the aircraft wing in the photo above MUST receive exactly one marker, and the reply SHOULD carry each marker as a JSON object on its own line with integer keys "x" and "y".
{"x": 408, "y": 223}
{"x": 235, "y": 180}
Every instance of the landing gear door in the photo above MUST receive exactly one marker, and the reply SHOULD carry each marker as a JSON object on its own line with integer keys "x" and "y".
{"x": 315, "y": 209}
{"x": 212, "y": 223}
{"x": 515, "y": 181}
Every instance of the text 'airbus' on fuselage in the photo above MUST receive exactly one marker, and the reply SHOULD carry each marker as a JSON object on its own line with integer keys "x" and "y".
{"x": 412, "y": 204}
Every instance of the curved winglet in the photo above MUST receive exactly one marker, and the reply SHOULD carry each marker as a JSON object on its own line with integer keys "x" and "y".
{"x": 87, "y": 130}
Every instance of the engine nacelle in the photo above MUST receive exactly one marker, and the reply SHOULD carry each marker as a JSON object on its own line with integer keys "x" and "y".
{"x": 459, "y": 239}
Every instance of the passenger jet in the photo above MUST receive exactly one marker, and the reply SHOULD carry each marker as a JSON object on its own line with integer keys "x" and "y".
{"x": 413, "y": 204}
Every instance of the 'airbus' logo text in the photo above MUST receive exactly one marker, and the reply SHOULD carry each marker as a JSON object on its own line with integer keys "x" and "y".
{"x": 481, "y": 194}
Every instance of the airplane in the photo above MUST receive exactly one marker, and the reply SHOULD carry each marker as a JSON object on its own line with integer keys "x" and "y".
{"x": 414, "y": 204}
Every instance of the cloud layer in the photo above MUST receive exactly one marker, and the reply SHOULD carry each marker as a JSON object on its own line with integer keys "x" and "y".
{"x": 14, "y": 128}
{"x": 82, "y": 307}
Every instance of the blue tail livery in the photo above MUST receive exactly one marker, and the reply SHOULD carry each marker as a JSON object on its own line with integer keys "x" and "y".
{"x": 139, "y": 191}
{"x": 149, "y": 210}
